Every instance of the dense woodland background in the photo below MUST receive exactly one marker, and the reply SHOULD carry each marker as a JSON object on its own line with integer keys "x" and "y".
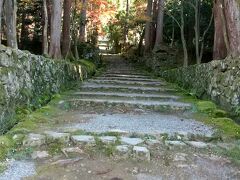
{"x": 201, "y": 30}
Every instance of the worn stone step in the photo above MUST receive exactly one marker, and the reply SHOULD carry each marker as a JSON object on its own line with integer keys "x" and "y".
{"x": 147, "y": 79}
{"x": 124, "y": 71}
{"x": 126, "y": 82}
{"x": 132, "y": 96}
{"x": 124, "y": 88}
{"x": 160, "y": 105}
{"x": 137, "y": 102}
{"x": 124, "y": 75}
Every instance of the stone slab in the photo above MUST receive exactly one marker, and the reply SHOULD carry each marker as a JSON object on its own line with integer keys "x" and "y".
{"x": 131, "y": 141}
{"x": 56, "y": 136}
{"x": 83, "y": 139}
{"x": 141, "y": 153}
{"x": 108, "y": 139}
{"x": 175, "y": 143}
{"x": 40, "y": 155}
{"x": 197, "y": 144}
{"x": 34, "y": 140}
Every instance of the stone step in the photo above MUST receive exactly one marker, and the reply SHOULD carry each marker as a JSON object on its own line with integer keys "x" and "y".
{"x": 124, "y": 75}
{"x": 155, "y": 97}
{"x": 126, "y": 82}
{"x": 124, "y": 88}
{"x": 128, "y": 79}
{"x": 125, "y": 72}
{"x": 159, "y": 105}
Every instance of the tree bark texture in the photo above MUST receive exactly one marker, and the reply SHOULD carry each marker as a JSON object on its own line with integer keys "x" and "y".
{"x": 148, "y": 27}
{"x": 1, "y": 10}
{"x": 66, "y": 41}
{"x": 83, "y": 21}
{"x": 10, "y": 19}
{"x": 55, "y": 39}
{"x": 160, "y": 17}
{"x": 227, "y": 29}
{"x": 45, "y": 28}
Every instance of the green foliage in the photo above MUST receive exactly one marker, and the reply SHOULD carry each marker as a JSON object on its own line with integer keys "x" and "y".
{"x": 55, "y": 148}
{"x": 122, "y": 24}
{"x": 89, "y": 52}
{"x": 107, "y": 149}
{"x": 234, "y": 154}
{"x": 6, "y": 144}
{"x": 237, "y": 110}
{"x": 21, "y": 153}
{"x": 90, "y": 67}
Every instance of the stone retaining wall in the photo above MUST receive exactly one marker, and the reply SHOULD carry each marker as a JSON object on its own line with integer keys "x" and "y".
{"x": 28, "y": 80}
{"x": 218, "y": 80}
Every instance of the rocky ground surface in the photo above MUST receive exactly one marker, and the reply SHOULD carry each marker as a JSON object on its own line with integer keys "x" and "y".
{"x": 121, "y": 125}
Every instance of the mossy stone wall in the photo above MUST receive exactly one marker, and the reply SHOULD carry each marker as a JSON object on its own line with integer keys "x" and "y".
{"x": 28, "y": 80}
{"x": 218, "y": 80}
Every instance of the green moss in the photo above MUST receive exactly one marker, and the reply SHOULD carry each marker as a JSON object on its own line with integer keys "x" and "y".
{"x": 5, "y": 145}
{"x": 55, "y": 147}
{"x": 226, "y": 125}
{"x": 107, "y": 149}
{"x": 27, "y": 124}
{"x": 220, "y": 113}
{"x": 22, "y": 153}
{"x": 110, "y": 134}
{"x": 90, "y": 67}
{"x": 79, "y": 132}
{"x": 206, "y": 107}
{"x": 234, "y": 154}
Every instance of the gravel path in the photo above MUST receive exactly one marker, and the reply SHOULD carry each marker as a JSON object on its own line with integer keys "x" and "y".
{"x": 17, "y": 170}
{"x": 145, "y": 123}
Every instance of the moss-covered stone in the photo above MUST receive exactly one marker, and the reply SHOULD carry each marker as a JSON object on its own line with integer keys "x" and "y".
{"x": 206, "y": 106}
{"x": 29, "y": 81}
{"x": 218, "y": 113}
{"x": 228, "y": 126}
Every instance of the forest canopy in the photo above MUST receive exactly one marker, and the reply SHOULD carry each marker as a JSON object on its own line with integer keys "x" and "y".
{"x": 201, "y": 29}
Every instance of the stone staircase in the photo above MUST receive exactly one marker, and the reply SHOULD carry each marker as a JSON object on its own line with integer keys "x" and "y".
{"x": 132, "y": 118}
{"x": 122, "y": 95}
{"x": 122, "y": 106}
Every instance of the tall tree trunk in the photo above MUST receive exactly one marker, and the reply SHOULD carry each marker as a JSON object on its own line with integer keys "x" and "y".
{"x": 219, "y": 47}
{"x": 125, "y": 31}
{"x": 45, "y": 28}
{"x": 232, "y": 16}
{"x": 224, "y": 26}
{"x": 227, "y": 29}
{"x": 197, "y": 31}
{"x": 66, "y": 27}
{"x": 185, "y": 52}
{"x": 1, "y": 10}
{"x": 83, "y": 21}
{"x": 148, "y": 27}
{"x": 153, "y": 23}
{"x": 75, "y": 31}
{"x": 141, "y": 43}
{"x": 173, "y": 34}
{"x": 10, "y": 19}
{"x": 55, "y": 39}
{"x": 159, "y": 31}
